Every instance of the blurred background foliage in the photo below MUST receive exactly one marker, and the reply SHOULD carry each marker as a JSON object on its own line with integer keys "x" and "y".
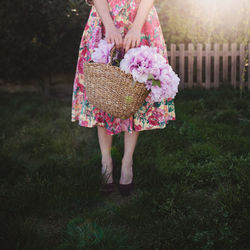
{"x": 206, "y": 21}
{"x": 42, "y": 37}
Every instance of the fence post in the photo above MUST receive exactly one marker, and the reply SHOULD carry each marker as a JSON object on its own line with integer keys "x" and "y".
{"x": 248, "y": 69}
{"x": 228, "y": 51}
{"x": 216, "y": 66}
{"x": 234, "y": 57}
{"x": 242, "y": 65}
{"x": 182, "y": 65}
{"x": 199, "y": 64}
{"x": 208, "y": 66}
{"x": 225, "y": 63}
{"x": 173, "y": 56}
{"x": 190, "y": 65}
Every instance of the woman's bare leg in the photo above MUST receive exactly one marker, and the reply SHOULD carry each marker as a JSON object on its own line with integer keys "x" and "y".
{"x": 105, "y": 142}
{"x": 130, "y": 141}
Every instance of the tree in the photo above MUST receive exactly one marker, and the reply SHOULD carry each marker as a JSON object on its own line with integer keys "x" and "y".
{"x": 40, "y": 37}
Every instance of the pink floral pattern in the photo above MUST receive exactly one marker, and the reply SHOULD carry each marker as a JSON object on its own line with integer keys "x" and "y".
{"x": 151, "y": 115}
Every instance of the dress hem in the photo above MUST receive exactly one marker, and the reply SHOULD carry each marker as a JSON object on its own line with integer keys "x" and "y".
{"x": 131, "y": 131}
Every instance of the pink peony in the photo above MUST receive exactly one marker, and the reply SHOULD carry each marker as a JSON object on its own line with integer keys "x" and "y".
{"x": 139, "y": 62}
{"x": 156, "y": 93}
{"x": 143, "y": 62}
{"x": 102, "y": 53}
{"x": 148, "y": 84}
{"x": 169, "y": 82}
{"x": 146, "y": 66}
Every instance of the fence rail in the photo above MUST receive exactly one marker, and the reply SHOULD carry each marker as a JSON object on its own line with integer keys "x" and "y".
{"x": 211, "y": 65}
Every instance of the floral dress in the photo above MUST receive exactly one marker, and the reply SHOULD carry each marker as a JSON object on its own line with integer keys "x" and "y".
{"x": 151, "y": 115}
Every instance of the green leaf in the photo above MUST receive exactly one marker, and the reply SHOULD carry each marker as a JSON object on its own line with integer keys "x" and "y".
{"x": 150, "y": 77}
{"x": 156, "y": 82}
{"x": 128, "y": 99}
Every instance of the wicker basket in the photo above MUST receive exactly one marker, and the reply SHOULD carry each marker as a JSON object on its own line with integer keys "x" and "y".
{"x": 112, "y": 90}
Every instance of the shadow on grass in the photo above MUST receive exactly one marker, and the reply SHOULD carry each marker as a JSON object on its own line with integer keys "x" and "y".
{"x": 192, "y": 178}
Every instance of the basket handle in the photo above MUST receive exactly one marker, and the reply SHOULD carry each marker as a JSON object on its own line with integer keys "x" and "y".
{"x": 112, "y": 54}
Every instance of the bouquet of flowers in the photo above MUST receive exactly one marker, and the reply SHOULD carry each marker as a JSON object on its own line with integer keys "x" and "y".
{"x": 146, "y": 66}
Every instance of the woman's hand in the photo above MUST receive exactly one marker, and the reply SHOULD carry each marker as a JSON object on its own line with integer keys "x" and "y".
{"x": 114, "y": 35}
{"x": 132, "y": 38}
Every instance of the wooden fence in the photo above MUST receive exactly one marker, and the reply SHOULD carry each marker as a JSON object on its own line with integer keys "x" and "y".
{"x": 211, "y": 65}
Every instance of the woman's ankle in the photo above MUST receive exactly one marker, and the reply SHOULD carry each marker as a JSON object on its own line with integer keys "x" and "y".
{"x": 107, "y": 161}
{"x": 126, "y": 176}
{"x": 126, "y": 171}
{"x": 107, "y": 169}
{"x": 127, "y": 161}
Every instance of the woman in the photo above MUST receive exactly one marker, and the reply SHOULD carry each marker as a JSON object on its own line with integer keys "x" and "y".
{"x": 129, "y": 24}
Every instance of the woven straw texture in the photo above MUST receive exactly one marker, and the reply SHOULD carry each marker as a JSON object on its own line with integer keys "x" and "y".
{"x": 112, "y": 90}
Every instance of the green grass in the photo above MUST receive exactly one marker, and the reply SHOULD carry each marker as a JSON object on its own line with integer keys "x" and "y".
{"x": 192, "y": 178}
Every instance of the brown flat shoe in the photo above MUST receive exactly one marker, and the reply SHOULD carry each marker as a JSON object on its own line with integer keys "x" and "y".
{"x": 108, "y": 188}
{"x": 126, "y": 189}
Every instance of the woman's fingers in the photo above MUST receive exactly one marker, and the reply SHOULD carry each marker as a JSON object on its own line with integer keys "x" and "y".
{"x": 132, "y": 38}
{"x": 127, "y": 44}
{"x": 135, "y": 36}
{"x": 115, "y": 38}
{"x": 121, "y": 40}
{"x": 118, "y": 41}
{"x": 109, "y": 39}
{"x": 130, "y": 42}
{"x": 112, "y": 35}
{"x": 133, "y": 43}
{"x": 138, "y": 40}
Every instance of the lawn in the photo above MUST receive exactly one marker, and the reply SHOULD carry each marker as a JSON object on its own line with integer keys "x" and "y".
{"x": 192, "y": 178}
